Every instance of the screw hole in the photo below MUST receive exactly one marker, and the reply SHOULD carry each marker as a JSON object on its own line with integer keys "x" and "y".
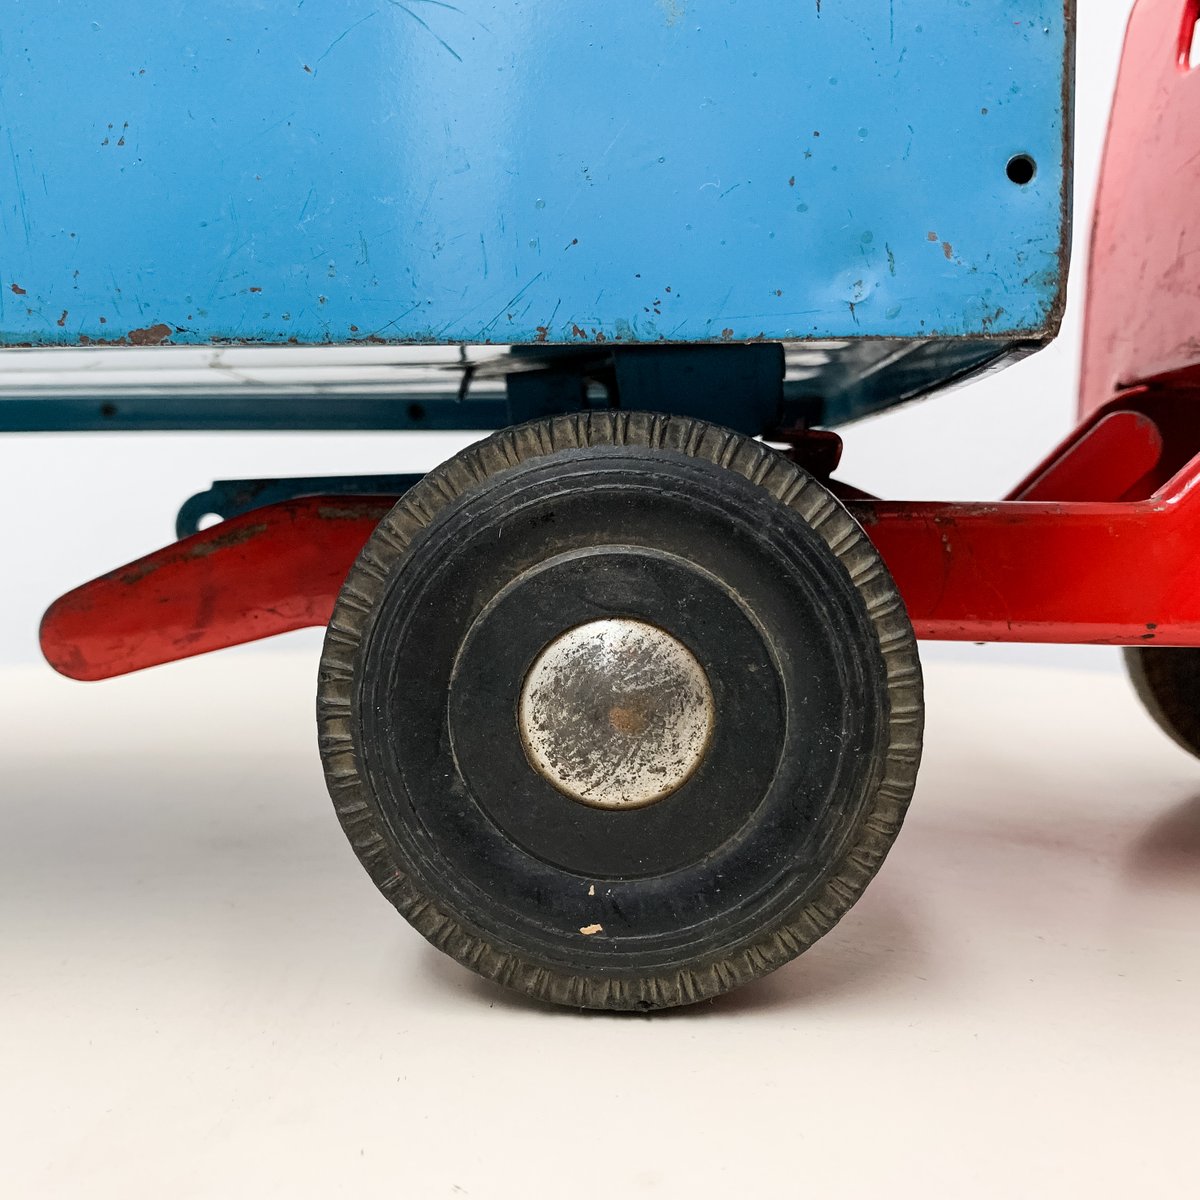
{"x": 416, "y": 412}
{"x": 108, "y": 410}
{"x": 1021, "y": 169}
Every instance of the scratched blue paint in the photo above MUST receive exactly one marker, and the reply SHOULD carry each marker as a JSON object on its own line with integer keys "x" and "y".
{"x": 513, "y": 171}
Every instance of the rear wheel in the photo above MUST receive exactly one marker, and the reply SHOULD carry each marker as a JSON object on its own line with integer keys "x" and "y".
{"x": 620, "y": 710}
{"x": 1167, "y": 681}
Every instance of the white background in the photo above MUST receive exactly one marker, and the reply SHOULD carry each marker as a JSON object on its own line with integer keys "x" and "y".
{"x": 203, "y": 997}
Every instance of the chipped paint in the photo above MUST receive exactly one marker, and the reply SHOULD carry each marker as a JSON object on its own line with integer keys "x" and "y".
{"x": 152, "y": 335}
{"x": 673, "y": 10}
{"x": 589, "y": 930}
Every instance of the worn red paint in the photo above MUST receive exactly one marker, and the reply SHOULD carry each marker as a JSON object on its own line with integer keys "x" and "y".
{"x": 1118, "y": 572}
{"x": 1097, "y": 545}
{"x": 1143, "y": 308}
{"x": 1105, "y": 459}
{"x": 269, "y": 571}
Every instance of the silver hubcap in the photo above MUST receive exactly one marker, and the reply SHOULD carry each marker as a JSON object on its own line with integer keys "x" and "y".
{"x": 616, "y": 714}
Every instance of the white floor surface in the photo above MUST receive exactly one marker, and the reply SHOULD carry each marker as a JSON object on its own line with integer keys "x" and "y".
{"x": 203, "y": 996}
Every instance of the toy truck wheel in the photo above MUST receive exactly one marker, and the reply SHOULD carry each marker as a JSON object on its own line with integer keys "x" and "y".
{"x": 620, "y": 710}
{"x": 1167, "y": 681}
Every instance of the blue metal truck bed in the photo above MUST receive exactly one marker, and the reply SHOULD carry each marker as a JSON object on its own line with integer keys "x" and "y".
{"x": 507, "y": 172}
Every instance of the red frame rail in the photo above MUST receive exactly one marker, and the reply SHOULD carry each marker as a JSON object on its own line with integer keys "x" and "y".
{"x": 1080, "y": 556}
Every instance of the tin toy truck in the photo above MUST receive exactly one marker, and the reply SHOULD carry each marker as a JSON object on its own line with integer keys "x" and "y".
{"x": 621, "y": 706}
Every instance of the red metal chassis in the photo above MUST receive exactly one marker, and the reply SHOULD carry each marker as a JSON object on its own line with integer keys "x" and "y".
{"x": 1099, "y": 545}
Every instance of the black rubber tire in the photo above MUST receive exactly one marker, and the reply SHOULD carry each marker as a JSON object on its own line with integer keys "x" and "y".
{"x": 1167, "y": 681}
{"x": 753, "y": 859}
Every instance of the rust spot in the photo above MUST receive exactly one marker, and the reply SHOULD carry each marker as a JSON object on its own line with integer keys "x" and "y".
{"x": 62, "y": 320}
{"x": 779, "y": 291}
{"x": 600, "y": 337}
{"x": 226, "y": 540}
{"x": 17, "y": 289}
{"x": 367, "y": 510}
{"x": 103, "y": 320}
{"x": 542, "y": 333}
{"x": 308, "y": 68}
{"x": 792, "y": 181}
{"x": 727, "y": 334}
{"x": 256, "y": 289}
{"x": 627, "y": 719}
{"x": 948, "y": 250}
{"x": 138, "y": 571}
{"x": 152, "y": 335}
{"x": 577, "y": 332}
{"x": 353, "y": 328}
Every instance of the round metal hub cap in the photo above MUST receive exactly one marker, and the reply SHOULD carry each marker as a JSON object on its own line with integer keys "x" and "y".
{"x": 616, "y": 713}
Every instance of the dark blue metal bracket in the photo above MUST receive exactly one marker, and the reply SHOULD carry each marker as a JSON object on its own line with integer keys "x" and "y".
{"x": 247, "y": 412}
{"x": 232, "y": 497}
{"x": 739, "y": 386}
